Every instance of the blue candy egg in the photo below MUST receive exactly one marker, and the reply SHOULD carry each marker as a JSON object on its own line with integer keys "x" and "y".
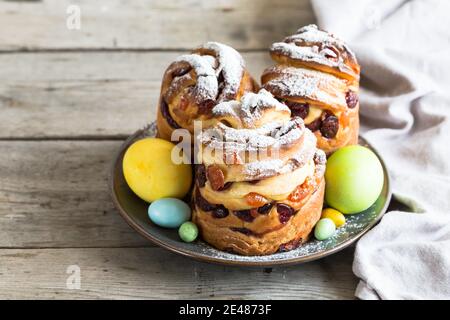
{"x": 169, "y": 212}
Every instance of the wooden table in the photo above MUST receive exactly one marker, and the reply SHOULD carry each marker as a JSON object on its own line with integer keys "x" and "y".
{"x": 68, "y": 98}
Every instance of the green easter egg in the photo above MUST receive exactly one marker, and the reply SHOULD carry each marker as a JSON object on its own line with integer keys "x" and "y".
{"x": 354, "y": 179}
{"x": 324, "y": 229}
{"x": 188, "y": 231}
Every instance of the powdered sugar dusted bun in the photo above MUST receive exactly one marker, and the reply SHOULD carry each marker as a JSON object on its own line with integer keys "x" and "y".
{"x": 259, "y": 185}
{"x": 230, "y": 67}
{"x": 253, "y": 111}
{"x": 320, "y": 50}
{"x": 306, "y": 85}
{"x": 252, "y": 154}
{"x": 317, "y": 76}
{"x": 194, "y": 83}
{"x": 263, "y": 216}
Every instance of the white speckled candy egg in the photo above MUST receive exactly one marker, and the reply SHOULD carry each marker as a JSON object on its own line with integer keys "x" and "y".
{"x": 324, "y": 229}
{"x": 169, "y": 212}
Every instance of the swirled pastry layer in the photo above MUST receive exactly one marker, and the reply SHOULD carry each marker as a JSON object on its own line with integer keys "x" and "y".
{"x": 194, "y": 83}
{"x": 259, "y": 185}
{"x": 317, "y": 76}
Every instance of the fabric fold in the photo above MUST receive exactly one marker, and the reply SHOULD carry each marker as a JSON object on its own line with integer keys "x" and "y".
{"x": 403, "y": 48}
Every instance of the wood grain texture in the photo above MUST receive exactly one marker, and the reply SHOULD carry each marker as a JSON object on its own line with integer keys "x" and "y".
{"x": 98, "y": 83}
{"x": 153, "y": 273}
{"x": 54, "y": 194}
{"x": 95, "y": 94}
{"x": 149, "y": 24}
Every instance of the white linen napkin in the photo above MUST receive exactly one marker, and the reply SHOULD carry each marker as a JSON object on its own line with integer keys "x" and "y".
{"x": 404, "y": 51}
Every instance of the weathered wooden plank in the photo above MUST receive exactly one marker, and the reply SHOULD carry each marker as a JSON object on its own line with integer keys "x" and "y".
{"x": 134, "y": 273}
{"x": 54, "y": 194}
{"x": 85, "y": 94}
{"x": 149, "y": 24}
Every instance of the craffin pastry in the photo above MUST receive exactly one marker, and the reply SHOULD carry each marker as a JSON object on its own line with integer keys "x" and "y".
{"x": 317, "y": 76}
{"x": 259, "y": 186}
{"x": 194, "y": 83}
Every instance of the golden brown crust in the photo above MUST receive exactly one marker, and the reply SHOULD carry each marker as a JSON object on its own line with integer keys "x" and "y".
{"x": 259, "y": 187}
{"x": 316, "y": 70}
{"x": 253, "y": 110}
{"x": 243, "y": 159}
{"x": 347, "y": 135}
{"x": 313, "y": 48}
{"x": 266, "y": 234}
{"x": 193, "y": 84}
{"x": 306, "y": 86}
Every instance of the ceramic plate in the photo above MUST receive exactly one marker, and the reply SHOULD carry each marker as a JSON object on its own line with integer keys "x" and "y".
{"x": 134, "y": 211}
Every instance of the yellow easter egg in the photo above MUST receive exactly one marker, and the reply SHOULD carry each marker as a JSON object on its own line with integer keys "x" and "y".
{"x": 150, "y": 172}
{"x": 337, "y": 217}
